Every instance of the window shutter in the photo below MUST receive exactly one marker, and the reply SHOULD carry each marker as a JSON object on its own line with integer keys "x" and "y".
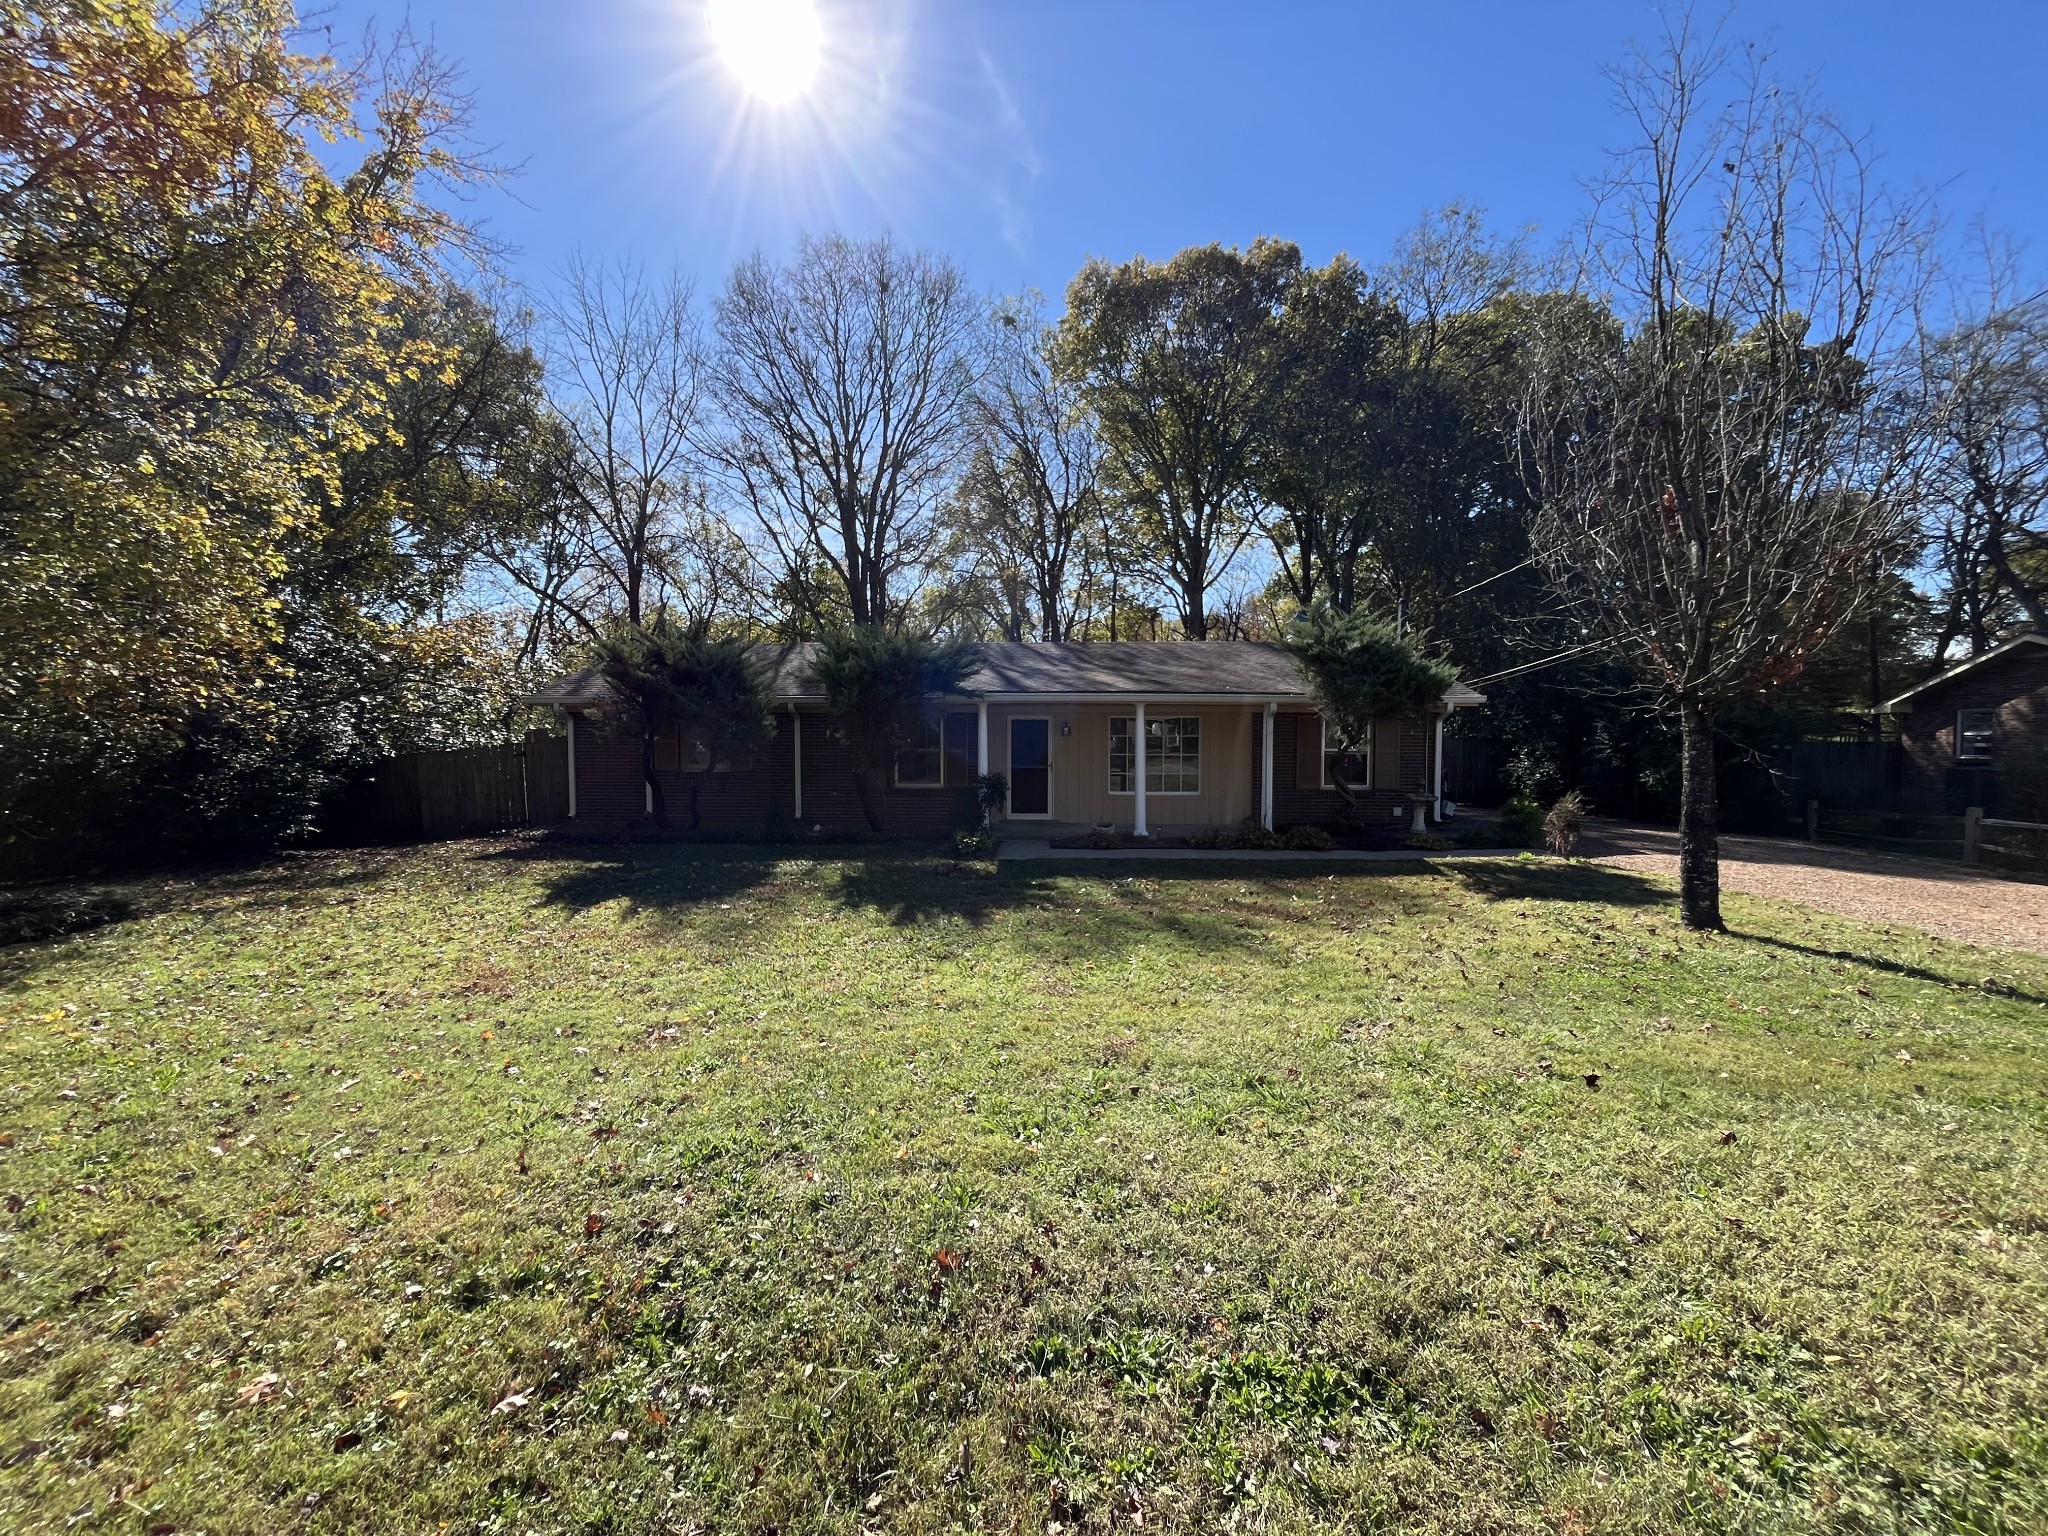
{"x": 1386, "y": 754}
{"x": 1308, "y": 751}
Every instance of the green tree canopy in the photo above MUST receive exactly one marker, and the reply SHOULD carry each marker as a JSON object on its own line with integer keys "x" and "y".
{"x": 1361, "y": 669}
{"x": 701, "y": 687}
{"x": 1175, "y": 360}
{"x": 201, "y": 328}
{"x": 878, "y": 684}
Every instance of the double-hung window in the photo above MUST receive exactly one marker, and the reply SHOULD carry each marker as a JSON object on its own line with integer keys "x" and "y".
{"x": 1346, "y": 766}
{"x": 1974, "y": 732}
{"x": 940, "y": 755}
{"x": 921, "y": 763}
{"x": 675, "y": 753}
{"x": 1173, "y": 755}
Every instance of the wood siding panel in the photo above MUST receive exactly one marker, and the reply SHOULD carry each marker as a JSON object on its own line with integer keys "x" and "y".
{"x": 1080, "y": 766}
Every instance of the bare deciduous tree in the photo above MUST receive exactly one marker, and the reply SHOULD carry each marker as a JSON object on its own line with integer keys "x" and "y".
{"x": 625, "y": 370}
{"x": 1717, "y": 465}
{"x": 1989, "y": 486}
{"x": 1028, "y": 503}
{"x": 844, "y": 381}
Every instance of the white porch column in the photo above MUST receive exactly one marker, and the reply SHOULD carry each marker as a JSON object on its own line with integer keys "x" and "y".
{"x": 796, "y": 735}
{"x": 1138, "y": 828}
{"x": 1266, "y": 766}
{"x": 570, "y": 716}
{"x": 981, "y": 747}
{"x": 1437, "y": 781}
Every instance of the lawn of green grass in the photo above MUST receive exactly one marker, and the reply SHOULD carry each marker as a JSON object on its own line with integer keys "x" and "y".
{"x": 495, "y": 1187}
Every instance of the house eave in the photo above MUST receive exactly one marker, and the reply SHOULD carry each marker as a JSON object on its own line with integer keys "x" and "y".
{"x": 1895, "y": 706}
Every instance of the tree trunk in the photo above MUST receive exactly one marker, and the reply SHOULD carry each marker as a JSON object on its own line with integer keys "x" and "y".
{"x": 870, "y": 803}
{"x": 1699, "y": 816}
{"x": 696, "y": 794}
{"x": 655, "y": 797}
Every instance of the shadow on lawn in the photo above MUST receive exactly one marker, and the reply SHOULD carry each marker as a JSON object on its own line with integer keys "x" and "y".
{"x": 910, "y": 886}
{"x": 907, "y": 887}
{"x": 1889, "y": 967}
{"x": 1554, "y": 880}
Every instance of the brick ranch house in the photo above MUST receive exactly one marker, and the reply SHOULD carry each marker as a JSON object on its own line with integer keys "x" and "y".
{"x": 1965, "y": 734}
{"x": 1158, "y": 738}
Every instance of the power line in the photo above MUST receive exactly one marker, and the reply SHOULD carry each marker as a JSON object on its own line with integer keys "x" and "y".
{"x": 1496, "y": 576}
{"x": 1535, "y": 666}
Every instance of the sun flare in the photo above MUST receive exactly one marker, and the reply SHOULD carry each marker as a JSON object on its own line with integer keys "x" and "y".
{"x": 771, "y": 46}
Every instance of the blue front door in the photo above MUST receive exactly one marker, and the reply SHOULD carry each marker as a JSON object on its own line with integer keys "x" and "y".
{"x": 1030, "y": 767}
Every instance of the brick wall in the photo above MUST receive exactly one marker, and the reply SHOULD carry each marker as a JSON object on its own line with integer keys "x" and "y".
{"x": 1400, "y": 760}
{"x": 610, "y": 787}
{"x": 2015, "y": 687}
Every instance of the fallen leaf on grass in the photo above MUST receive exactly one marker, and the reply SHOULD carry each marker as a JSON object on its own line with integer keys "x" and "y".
{"x": 1593, "y": 1081}
{"x": 511, "y": 1402}
{"x": 593, "y": 1224}
{"x": 1726, "y": 1138}
{"x": 261, "y": 1390}
{"x": 347, "y": 1440}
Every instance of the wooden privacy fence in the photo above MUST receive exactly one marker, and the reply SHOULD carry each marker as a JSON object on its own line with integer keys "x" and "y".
{"x": 1472, "y": 767}
{"x": 1862, "y": 774}
{"x": 426, "y": 795}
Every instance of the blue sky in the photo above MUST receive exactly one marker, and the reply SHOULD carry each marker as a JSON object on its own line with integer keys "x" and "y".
{"x": 1024, "y": 137}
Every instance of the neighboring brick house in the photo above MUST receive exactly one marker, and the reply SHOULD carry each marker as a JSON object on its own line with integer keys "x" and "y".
{"x": 1166, "y": 738}
{"x": 1966, "y": 736}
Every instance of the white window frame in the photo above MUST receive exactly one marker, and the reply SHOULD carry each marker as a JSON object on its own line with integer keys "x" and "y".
{"x": 1365, "y": 752}
{"x": 937, "y": 726}
{"x": 1989, "y": 730}
{"x": 1155, "y": 756}
{"x": 1130, "y": 724}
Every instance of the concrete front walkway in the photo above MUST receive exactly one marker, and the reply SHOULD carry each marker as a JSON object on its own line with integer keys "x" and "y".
{"x": 1018, "y": 848}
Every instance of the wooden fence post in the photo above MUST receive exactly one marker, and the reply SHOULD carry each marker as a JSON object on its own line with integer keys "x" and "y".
{"x": 1973, "y": 833}
{"x": 1813, "y": 821}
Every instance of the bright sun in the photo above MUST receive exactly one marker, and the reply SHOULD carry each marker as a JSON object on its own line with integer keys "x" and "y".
{"x": 772, "y": 46}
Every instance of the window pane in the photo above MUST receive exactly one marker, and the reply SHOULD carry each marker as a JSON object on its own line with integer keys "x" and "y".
{"x": 1974, "y": 731}
{"x": 1173, "y": 755}
{"x": 962, "y": 748}
{"x": 1123, "y": 754}
{"x": 921, "y": 762}
{"x": 1342, "y": 767}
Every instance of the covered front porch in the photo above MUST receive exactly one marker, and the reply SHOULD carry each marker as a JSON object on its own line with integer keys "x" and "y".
{"x": 1151, "y": 767}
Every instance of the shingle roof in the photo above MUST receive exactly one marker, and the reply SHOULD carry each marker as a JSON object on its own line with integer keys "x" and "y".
{"x": 1891, "y": 706}
{"x": 1252, "y": 670}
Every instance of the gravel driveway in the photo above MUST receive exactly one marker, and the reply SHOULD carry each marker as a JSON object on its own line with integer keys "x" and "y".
{"x": 1944, "y": 899}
